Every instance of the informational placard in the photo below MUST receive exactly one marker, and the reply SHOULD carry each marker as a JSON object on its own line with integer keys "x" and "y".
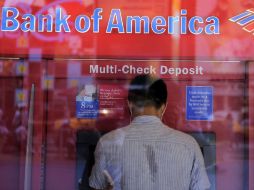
{"x": 87, "y": 109}
{"x": 87, "y": 104}
{"x": 112, "y": 100}
{"x": 199, "y": 103}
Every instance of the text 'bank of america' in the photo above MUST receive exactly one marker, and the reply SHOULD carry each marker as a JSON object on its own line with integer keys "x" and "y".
{"x": 12, "y": 20}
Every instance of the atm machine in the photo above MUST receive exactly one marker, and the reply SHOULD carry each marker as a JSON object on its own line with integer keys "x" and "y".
{"x": 219, "y": 70}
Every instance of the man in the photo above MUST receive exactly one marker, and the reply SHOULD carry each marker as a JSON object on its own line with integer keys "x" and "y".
{"x": 147, "y": 154}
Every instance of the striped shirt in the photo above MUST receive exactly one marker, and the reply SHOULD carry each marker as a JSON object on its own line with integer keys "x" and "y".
{"x": 151, "y": 156}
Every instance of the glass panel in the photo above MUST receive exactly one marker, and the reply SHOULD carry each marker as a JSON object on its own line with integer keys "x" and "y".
{"x": 70, "y": 142}
{"x": 63, "y": 145}
{"x": 16, "y": 78}
{"x": 12, "y": 124}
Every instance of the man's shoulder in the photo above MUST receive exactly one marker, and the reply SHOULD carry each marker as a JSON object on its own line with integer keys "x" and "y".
{"x": 116, "y": 136}
{"x": 180, "y": 137}
{"x": 170, "y": 135}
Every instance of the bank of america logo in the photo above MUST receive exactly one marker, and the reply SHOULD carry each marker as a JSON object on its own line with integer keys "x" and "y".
{"x": 245, "y": 19}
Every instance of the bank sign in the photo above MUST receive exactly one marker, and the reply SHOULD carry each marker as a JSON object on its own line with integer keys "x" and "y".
{"x": 12, "y": 20}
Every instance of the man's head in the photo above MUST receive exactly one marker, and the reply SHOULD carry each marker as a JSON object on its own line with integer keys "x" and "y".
{"x": 147, "y": 96}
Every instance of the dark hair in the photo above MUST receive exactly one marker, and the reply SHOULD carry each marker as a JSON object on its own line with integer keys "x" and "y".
{"x": 145, "y": 90}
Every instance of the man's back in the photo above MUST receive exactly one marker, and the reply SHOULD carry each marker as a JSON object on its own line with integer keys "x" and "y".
{"x": 149, "y": 155}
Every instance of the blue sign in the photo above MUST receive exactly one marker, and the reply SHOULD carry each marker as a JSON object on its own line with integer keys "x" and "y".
{"x": 199, "y": 103}
{"x": 87, "y": 109}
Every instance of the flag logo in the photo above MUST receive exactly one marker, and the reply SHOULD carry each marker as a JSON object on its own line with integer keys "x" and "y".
{"x": 245, "y": 19}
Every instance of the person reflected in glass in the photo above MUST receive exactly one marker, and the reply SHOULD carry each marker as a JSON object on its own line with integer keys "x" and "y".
{"x": 147, "y": 154}
{"x": 4, "y": 132}
{"x": 19, "y": 122}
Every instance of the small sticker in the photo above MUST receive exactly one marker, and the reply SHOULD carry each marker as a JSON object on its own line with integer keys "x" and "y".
{"x": 73, "y": 83}
{"x": 199, "y": 103}
{"x": 87, "y": 104}
{"x": 21, "y": 68}
{"x": 48, "y": 82}
{"x": 21, "y": 97}
{"x": 74, "y": 69}
{"x": 22, "y": 42}
{"x": 1, "y": 66}
{"x": 35, "y": 55}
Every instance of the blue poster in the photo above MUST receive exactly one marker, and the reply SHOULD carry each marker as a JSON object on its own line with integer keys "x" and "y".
{"x": 199, "y": 103}
{"x": 87, "y": 104}
{"x": 87, "y": 109}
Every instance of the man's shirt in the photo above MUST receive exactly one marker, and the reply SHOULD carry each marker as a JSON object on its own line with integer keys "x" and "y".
{"x": 151, "y": 156}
